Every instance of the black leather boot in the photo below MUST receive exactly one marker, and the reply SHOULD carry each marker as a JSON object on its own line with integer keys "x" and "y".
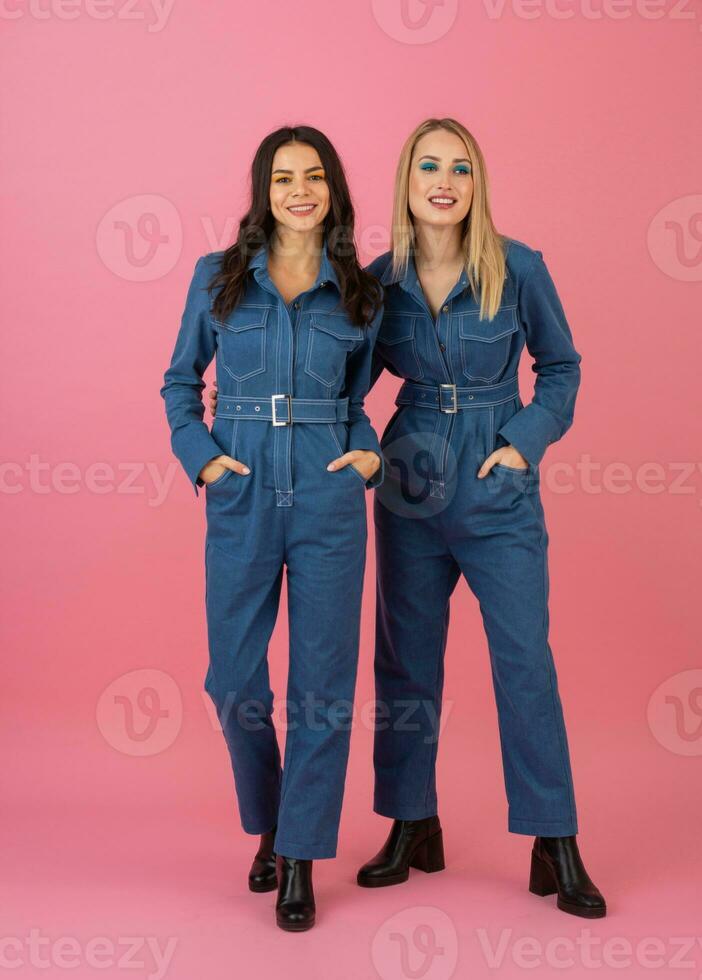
{"x": 557, "y": 868}
{"x": 262, "y": 876}
{"x": 294, "y": 908}
{"x": 410, "y": 844}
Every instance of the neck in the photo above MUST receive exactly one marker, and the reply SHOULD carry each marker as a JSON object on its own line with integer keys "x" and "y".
{"x": 437, "y": 245}
{"x": 298, "y": 251}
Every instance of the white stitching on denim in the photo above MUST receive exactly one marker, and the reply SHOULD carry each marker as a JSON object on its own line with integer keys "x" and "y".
{"x": 410, "y": 400}
{"x": 551, "y": 670}
{"x": 251, "y": 374}
{"x": 356, "y": 335}
{"x": 464, "y": 341}
{"x": 336, "y": 440}
{"x": 310, "y": 344}
{"x": 267, "y": 417}
{"x": 350, "y": 466}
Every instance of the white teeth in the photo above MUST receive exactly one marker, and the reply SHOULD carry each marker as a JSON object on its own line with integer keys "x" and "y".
{"x": 442, "y": 200}
{"x": 302, "y": 208}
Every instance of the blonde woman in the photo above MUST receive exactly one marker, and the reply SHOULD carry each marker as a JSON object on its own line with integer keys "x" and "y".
{"x": 461, "y": 497}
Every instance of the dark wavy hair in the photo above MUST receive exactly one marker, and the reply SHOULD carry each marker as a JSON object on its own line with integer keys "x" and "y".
{"x": 361, "y": 294}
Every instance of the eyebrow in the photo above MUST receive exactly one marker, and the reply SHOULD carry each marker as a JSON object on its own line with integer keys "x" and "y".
{"x": 308, "y": 171}
{"x": 426, "y": 156}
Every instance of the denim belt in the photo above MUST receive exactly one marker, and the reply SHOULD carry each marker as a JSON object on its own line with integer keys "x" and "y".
{"x": 450, "y": 398}
{"x": 283, "y": 410}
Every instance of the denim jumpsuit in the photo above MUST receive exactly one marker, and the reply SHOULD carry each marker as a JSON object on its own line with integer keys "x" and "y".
{"x": 435, "y": 520}
{"x": 292, "y": 379}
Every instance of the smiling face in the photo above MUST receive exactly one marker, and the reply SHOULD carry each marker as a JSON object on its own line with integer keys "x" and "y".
{"x": 440, "y": 181}
{"x": 299, "y": 193}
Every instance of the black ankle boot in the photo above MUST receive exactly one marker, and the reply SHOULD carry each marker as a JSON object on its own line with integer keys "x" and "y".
{"x": 410, "y": 844}
{"x": 294, "y": 908}
{"x": 557, "y": 868}
{"x": 262, "y": 876}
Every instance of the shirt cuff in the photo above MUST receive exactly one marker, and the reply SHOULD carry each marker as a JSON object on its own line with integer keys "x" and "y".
{"x": 194, "y": 446}
{"x": 531, "y": 430}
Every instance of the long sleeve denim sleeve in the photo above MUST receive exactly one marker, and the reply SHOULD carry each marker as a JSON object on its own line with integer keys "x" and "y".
{"x": 182, "y": 390}
{"x": 362, "y": 435}
{"x": 556, "y": 363}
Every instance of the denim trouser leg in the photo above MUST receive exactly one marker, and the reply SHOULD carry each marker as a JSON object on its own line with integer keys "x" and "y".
{"x": 325, "y": 558}
{"x": 320, "y": 538}
{"x": 242, "y": 604}
{"x": 492, "y": 531}
{"x": 508, "y": 573}
{"x": 416, "y": 576}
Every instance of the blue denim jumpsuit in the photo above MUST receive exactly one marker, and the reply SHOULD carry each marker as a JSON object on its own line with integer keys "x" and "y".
{"x": 290, "y": 511}
{"x": 435, "y": 520}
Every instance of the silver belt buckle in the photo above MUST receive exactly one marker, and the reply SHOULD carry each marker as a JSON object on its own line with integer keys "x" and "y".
{"x": 454, "y": 397}
{"x": 274, "y": 419}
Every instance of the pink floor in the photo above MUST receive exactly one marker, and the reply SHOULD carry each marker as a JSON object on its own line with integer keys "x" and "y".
{"x": 127, "y": 866}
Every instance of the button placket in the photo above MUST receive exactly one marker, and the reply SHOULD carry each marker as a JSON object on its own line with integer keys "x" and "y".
{"x": 442, "y": 333}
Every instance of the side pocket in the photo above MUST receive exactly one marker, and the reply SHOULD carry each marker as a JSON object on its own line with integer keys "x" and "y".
{"x": 220, "y": 480}
{"x": 342, "y": 451}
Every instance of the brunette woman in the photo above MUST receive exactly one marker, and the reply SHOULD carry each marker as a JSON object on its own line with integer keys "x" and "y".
{"x": 291, "y": 319}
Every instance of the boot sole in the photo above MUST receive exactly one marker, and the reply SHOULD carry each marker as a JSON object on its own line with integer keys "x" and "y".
{"x": 582, "y": 910}
{"x": 268, "y": 886}
{"x": 542, "y": 883}
{"x": 295, "y": 926}
{"x": 382, "y": 882}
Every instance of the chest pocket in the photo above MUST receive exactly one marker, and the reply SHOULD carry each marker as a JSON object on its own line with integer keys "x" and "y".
{"x": 397, "y": 343}
{"x": 331, "y": 339}
{"x": 485, "y": 344}
{"x": 242, "y": 341}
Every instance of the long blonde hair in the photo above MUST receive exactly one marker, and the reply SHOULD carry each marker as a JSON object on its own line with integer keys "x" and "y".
{"x": 482, "y": 245}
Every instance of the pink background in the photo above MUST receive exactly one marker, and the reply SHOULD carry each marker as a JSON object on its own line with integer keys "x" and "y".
{"x": 588, "y": 114}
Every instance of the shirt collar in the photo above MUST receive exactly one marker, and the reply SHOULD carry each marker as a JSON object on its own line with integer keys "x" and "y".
{"x": 409, "y": 280}
{"x": 327, "y": 273}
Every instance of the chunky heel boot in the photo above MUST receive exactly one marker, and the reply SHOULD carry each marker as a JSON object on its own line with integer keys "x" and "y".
{"x": 295, "y": 907}
{"x": 411, "y": 844}
{"x": 429, "y": 856}
{"x": 541, "y": 879}
{"x": 557, "y": 869}
{"x": 262, "y": 876}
